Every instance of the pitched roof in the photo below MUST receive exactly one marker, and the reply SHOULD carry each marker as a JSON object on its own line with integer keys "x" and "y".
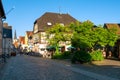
{"x": 29, "y": 33}
{"x": 5, "y": 25}
{"x": 2, "y": 14}
{"x": 113, "y": 25}
{"x": 22, "y": 39}
{"x": 49, "y": 19}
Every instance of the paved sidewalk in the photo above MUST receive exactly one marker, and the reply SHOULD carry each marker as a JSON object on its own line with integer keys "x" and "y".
{"x": 109, "y": 68}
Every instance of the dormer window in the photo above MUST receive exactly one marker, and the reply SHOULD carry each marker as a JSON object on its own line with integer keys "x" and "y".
{"x": 49, "y": 23}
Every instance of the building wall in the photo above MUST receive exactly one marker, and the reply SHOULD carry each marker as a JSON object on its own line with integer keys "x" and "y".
{"x": 7, "y": 40}
{"x": 43, "y": 38}
{"x": 7, "y": 45}
{"x": 26, "y": 39}
{"x": 1, "y": 36}
{"x": 36, "y": 37}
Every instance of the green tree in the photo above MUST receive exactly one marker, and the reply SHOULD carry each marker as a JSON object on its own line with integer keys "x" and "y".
{"x": 87, "y": 36}
{"x": 81, "y": 34}
{"x": 105, "y": 36}
{"x": 58, "y": 33}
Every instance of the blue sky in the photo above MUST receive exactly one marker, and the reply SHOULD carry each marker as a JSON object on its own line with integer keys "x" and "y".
{"x": 27, "y": 11}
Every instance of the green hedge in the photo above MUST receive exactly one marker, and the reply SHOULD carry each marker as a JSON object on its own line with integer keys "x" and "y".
{"x": 97, "y": 55}
{"x": 65, "y": 55}
{"x": 81, "y": 56}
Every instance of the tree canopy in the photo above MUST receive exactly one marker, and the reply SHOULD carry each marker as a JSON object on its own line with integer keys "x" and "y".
{"x": 87, "y": 36}
{"x": 82, "y": 35}
{"x": 58, "y": 33}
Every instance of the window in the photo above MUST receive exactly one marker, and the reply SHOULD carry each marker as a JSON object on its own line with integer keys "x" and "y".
{"x": 49, "y": 23}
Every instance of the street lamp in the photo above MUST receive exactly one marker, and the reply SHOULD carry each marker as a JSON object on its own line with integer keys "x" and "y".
{"x": 4, "y": 54}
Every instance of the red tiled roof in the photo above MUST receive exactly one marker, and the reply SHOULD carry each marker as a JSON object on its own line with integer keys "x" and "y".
{"x": 29, "y": 33}
{"x": 22, "y": 39}
{"x": 113, "y": 25}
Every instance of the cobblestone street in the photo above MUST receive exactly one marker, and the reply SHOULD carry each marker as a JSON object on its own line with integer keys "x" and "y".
{"x": 36, "y": 68}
